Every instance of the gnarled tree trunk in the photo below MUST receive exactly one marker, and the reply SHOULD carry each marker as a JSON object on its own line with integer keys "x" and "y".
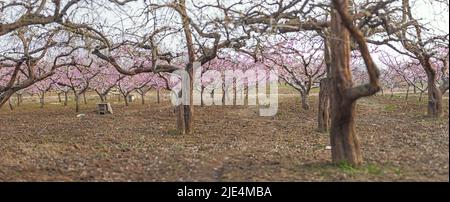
{"x": 434, "y": 98}
{"x": 434, "y": 93}
{"x": 344, "y": 140}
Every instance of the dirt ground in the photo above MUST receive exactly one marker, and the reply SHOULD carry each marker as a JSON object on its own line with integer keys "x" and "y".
{"x": 139, "y": 143}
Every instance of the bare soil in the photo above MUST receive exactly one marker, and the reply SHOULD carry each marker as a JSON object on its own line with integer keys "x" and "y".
{"x": 139, "y": 143}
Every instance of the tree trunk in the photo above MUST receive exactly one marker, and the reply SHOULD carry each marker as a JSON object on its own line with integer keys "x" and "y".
{"x": 434, "y": 93}
{"x": 382, "y": 91}
{"x": 407, "y": 93}
{"x": 59, "y": 98}
{"x": 4, "y": 98}
{"x": 102, "y": 98}
{"x": 65, "y": 99}
{"x": 77, "y": 103}
{"x": 189, "y": 109}
{"x": 126, "y": 100}
{"x": 223, "y": 94}
{"x": 344, "y": 140}
{"x": 392, "y": 92}
{"x": 11, "y": 107}
{"x": 142, "y": 99}
{"x": 434, "y": 100}
{"x": 420, "y": 96}
{"x": 180, "y": 116}
{"x": 415, "y": 90}
{"x": 305, "y": 104}
{"x": 84, "y": 98}
{"x": 157, "y": 97}
{"x": 235, "y": 92}
{"x": 246, "y": 95}
{"x": 180, "y": 119}
{"x": 324, "y": 105}
{"x": 42, "y": 100}
{"x": 19, "y": 99}
{"x": 202, "y": 91}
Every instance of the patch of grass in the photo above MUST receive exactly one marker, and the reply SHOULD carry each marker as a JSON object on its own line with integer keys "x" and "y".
{"x": 346, "y": 167}
{"x": 390, "y": 107}
{"x": 374, "y": 170}
{"x": 370, "y": 169}
{"x": 397, "y": 171}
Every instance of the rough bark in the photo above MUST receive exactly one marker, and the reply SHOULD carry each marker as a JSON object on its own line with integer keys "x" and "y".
{"x": 324, "y": 106}
{"x": 434, "y": 93}
{"x": 434, "y": 99}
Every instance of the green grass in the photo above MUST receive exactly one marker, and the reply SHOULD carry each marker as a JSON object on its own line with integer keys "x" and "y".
{"x": 370, "y": 169}
{"x": 329, "y": 169}
{"x": 346, "y": 168}
{"x": 390, "y": 107}
{"x": 374, "y": 170}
